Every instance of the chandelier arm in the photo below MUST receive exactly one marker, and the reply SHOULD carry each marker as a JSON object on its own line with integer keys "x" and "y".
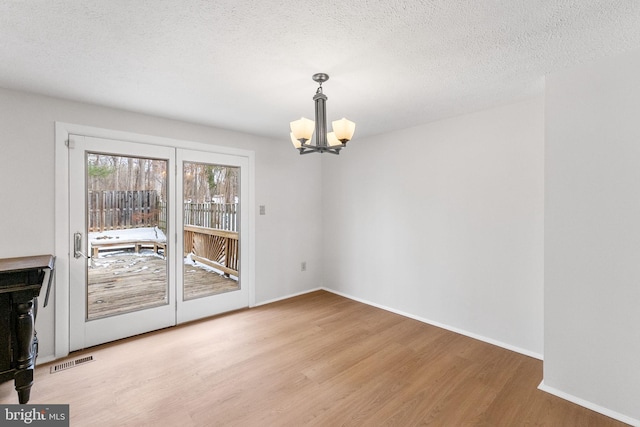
{"x": 314, "y": 149}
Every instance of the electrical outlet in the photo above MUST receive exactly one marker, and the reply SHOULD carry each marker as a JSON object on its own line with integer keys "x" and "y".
{"x": 303, "y": 266}
{"x": 262, "y": 210}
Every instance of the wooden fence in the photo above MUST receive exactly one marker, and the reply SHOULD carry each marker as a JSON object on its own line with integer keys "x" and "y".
{"x": 221, "y": 216}
{"x": 117, "y": 210}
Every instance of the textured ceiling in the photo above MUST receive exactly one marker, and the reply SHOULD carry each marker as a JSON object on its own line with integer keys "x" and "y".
{"x": 246, "y": 64}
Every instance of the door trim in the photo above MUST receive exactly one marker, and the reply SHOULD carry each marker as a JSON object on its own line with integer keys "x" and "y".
{"x": 61, "y": 222}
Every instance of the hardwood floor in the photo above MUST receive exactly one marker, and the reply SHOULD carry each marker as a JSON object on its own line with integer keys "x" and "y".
{"x": 318, "y": 359}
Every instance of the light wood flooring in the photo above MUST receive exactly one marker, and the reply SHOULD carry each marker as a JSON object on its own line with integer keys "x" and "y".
{"x": 319, "y": 360}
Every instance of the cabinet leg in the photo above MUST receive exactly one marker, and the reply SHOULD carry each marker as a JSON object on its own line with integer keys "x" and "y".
{"x": 23, "y": 382}
{"x": 25, "y": 357}
{"x": 24, "y": 335}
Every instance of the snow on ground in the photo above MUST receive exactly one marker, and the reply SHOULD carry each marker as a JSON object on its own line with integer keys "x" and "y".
{"x": 121, "y": 242}
{"x": 130, "y": 235}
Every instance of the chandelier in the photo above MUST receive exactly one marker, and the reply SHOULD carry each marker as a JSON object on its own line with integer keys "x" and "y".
{"x": 332, "y": 142}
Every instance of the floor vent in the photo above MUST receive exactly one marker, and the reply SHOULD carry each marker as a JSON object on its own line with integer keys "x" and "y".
{"x": 71, "y": 364}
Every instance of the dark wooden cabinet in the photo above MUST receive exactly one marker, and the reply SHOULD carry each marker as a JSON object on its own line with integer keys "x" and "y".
{"x": 21, "y": 280}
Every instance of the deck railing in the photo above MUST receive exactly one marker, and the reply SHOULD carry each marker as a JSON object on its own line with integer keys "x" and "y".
{"x": 216, "y": 248}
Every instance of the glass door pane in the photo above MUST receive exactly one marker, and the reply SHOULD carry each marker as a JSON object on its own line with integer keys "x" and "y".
{"x": 211, "y": 196}
{"x": 126, "y": 230}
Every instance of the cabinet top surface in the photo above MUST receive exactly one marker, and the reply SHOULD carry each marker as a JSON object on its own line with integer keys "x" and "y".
{"x": 9, "y": 265}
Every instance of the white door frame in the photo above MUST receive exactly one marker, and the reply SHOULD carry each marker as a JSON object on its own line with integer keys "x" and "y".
{"x": 62, "y": 231}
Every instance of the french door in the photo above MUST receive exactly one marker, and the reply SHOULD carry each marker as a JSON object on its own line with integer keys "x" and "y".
{"x": 211, "y": 222}
{"x": 156, "y": 237}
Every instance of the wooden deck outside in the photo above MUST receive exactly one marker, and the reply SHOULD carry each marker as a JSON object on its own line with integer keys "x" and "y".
{"x": 122, "y": 283}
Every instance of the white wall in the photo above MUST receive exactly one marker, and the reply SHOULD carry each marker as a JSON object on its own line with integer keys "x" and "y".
{"x": 592, "y": 234}
{"x": 444, "y": 222}
{"x": 283, "y": 235}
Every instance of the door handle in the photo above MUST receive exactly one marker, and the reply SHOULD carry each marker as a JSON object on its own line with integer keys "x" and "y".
{"x": 77, "y": 246}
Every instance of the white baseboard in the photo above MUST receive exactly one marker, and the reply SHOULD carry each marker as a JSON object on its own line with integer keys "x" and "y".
{"x": 589, "y": 405}
{"x": 443, "y": 326}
